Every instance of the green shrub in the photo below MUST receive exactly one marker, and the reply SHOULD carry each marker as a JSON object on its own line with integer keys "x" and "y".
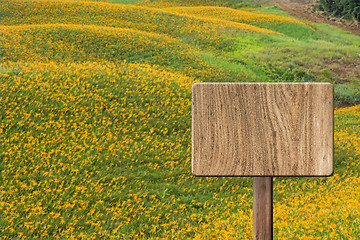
{"x": 348, "y": 9}
{"x": 346, "y": 94}
{"x": 290, "y": 74}
{"x": 326, "y": 75}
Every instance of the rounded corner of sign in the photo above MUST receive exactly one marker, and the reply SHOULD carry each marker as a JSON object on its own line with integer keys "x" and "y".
{"x": 195, "y": 86}
{"x": 330, "y": 174}
{"x": 331, "y": 87}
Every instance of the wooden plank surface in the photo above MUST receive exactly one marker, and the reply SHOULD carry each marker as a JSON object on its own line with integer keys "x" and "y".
{"x": 262, "y": 129}
{"x": 262, "y": 208}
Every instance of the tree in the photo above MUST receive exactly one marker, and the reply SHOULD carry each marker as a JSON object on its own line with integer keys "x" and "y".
{"x": 348, "y": 9}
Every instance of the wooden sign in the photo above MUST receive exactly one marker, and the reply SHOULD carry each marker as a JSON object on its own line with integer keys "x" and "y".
{"x": 262, "y": 129}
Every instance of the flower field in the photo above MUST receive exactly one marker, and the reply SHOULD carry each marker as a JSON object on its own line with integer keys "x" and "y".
{"x": 95, "y": 128}
{"x": 236, "y": 15}
{"x": 76, "y": 43}
{"x": 205, "y": 31}
{"x": 276, "y": 23}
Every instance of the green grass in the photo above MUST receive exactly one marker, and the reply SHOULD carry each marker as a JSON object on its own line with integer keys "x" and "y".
{"x": 279, "y": 56}
{"x": 240, "y": 70}
{"x": 345, "y": 94}
{"x": 272, "y": 10}
{"x": 336, "y": 35}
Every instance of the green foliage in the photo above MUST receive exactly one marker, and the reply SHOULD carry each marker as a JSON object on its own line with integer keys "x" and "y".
{"x": 290, "y": 74}
{"x": 294, "y": 30}
{"x": 326, "y": 75}
{"x": 240, "y": 71}
{"x": 348, "y": 9}
{"x": 238, "y": 4}
{"x": 336, "y": 35}
{"x": 346, "y": 94}
{"x": 285, "y": 59}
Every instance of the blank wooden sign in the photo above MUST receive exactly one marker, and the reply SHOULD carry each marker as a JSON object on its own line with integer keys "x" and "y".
{"x": 262, "y": 129}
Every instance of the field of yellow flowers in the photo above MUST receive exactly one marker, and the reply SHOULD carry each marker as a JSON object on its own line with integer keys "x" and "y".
{"x": 95, "y": 124}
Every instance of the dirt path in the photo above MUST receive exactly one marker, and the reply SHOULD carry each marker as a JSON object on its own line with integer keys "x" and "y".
{"x": 303, "y": 10}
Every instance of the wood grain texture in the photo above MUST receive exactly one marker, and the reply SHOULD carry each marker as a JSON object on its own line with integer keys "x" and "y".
{"x": 262, "y": 208}
{"x": 262, "y": 129}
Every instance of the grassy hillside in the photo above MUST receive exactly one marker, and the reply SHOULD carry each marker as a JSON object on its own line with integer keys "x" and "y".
{"x": 285, "y": 25}
{"x": 197, "y": 30}
{"x": 95, "y": 119}
{"x": 77, "y": 43}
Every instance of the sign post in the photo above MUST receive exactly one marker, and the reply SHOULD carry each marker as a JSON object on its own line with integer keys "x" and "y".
{"x": 262, "y": 207}
{"x": 262, "y": 130}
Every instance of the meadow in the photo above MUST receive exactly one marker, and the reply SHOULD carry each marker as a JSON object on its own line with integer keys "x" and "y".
{"x": 95, "y": 119}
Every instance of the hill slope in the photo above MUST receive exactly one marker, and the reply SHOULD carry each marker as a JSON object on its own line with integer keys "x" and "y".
{"x": 305, "y": 10}
{"x": 95, "y": 119}
{"x": 208, "y": 32}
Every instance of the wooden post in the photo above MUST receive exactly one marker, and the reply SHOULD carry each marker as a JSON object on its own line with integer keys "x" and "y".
{"x": 262, "y": 208}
